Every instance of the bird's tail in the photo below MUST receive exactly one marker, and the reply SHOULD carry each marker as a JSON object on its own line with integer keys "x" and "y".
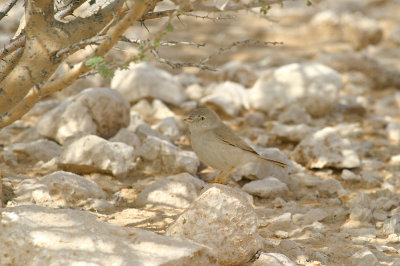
{"x": 278, "y": 163}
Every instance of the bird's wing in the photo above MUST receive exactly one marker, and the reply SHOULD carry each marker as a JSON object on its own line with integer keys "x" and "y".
{"x": 226, "y": 134}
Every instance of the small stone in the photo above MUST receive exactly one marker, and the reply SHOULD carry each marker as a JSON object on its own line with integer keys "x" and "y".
{"x": 168, "y": 127}
{"x": 364, "y": 257}
{"x": 177, "y": 191}
{"x": 273, "y": 259}
{"x": 291, "y": 133}
{"x": 393, "y": 132}
{"x": 392, "y": 225}
{"x": 161, "y": 156}
{"x": 311, "y": 85}
{"x": 143, "y": 80}
{"x": 91, "y": 153}
{"x": 361, "y": 31}
{"x": 195, "y": 91}
{"x": 350, "y": 176}
{"x": 294, "y": 114}
{"x": 128, "y": 137}
{"x": 230, "y": 97}
{"x": 325, "y": 148}
{"x": 100, "y": 111}
{"x": 58, "y": 189}
{"x": 39, "y": 150}
{"x": 223, "y": 219}
{"x": 266, "y": 188}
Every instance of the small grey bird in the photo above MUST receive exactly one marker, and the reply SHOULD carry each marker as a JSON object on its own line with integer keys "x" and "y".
{"x": 217, "y": 145}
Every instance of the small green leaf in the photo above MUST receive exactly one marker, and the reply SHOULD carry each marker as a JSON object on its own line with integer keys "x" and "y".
{"x": 184, "y": 221}
{"x": 309, "y": 3}
{"x": 97, "y": 62}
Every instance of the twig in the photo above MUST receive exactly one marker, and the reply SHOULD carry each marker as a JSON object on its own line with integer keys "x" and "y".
{"x": 175, "y": 64}
{"x": 79, "y": 45}
{"x": 238, "y": 43}
{"x": 208, "y": 8}
{"x": 68, "y": 9}
{"x": 163, "y": 43}
{"x": 12, "y": 46}
{"x": 7, "y": 7}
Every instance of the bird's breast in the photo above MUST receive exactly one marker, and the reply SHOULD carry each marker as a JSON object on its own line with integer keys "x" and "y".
{"x": 214, "y": 152}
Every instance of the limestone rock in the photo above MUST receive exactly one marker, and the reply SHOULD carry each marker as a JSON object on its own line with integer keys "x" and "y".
{"x": 266, "y": 188}
{"x": 161, "y": 156}
{"x": 311, "y": 85}
{"x": 361, "y": 31}
{"x": 364, "y": 257}
{"x": 99, "y": 111}
{"x": 325, "y": 148}
{"x": 177, "y": 191}
{"x": 392, "y": 225}
{"x": 143, "y": 80}
{"x": 223, "y": 219}
{"x": 39, "y": 150}
{"x": 230, "y": 97}
{"x": 94, "y": 154}
{"x": 272, "y": 259}
{"x": 168, "y": 127}
{"x": 58, "y": 189}
{"x": 128, "y": 137}
{"x": 44, "y": 236}
{"x": 393, "y": 132}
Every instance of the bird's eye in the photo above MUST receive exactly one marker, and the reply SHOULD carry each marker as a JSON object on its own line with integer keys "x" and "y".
{"x": 202, "y": 118}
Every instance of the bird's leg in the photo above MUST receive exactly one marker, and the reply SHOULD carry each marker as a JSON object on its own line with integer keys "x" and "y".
{"x": 216, "y": 179}
{"x": 226, "y": 176}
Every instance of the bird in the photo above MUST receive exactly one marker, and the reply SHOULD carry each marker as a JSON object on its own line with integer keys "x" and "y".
{"x": 217, "y": 145}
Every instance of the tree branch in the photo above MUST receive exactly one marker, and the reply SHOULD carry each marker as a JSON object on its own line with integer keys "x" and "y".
{"x": 7, "y": 7}
{"x": 206, "y": 8}
{"x": 12, "y": 46}
{"x": 52, "y": 86}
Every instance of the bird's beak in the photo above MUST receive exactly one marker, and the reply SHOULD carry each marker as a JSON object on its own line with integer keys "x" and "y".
{"x": 188, "y": 120}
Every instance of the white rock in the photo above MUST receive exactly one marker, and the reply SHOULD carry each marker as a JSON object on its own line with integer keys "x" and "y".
{"x": 39, "y": 150}
{"x": 325, "y": 148}
{"x": 238, "y": 72}
{"x": 160, "y": 110}
{"x": 195, "y": 91}
{"x": 177, "y": 191}
{"x": 168, "y": 127}
{"x": 230, "y": 97}
{"x": 395, "y": 160}
{"x": 292, "y": 133}
{"x": 314, "y": 215}
{"x": 361, "y": 31}
{"x": 223, "y": 219}
{"x": 273, "y": 259}
{"x": 58, "y": 189}
{"x": 43, "y": 236}
{"x": 42, "y": 107}
{"x": 311, "y": 85}
{"x": 143, "y": 80}
{"x": 328, "y": 186}
{"x": 278, "y": 222}
{"x": 99, "y": 111}
{"x": 266, "y": 188}
{"x": 294, "y": 114}
{"x": 350, "y": 176}
{"x": 325, "y": 18}
{"x": 164, "y": 157}
{"x": 393, "y": 132}
{"x": 128, "y": 137}
{"x": 392, "y": 225}
{"x": 361, "y": 208}
{"x": 91, "y": 153}
{"x": 364, "y": 257}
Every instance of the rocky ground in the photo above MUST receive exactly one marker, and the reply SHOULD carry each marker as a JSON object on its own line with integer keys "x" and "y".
{"x": 103, "y": 172}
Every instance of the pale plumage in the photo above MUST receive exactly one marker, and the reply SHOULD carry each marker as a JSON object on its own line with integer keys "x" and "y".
{"x": 216, "y": 144}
